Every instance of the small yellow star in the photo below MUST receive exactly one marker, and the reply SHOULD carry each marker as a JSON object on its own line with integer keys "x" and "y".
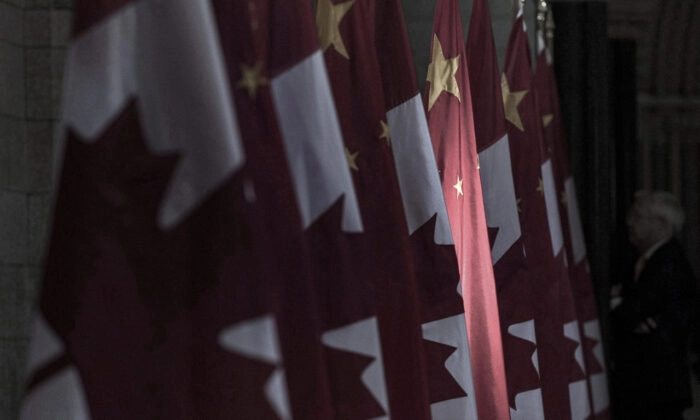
{"x": 511, "y": 100}
{"x": 564, "y": 201}
{"x": 540, "y": 187}
{"x": 517, "y": 203}
{"x": 251, "y": 79}
{"x": 458, "y": 186}
{"x": 351, "y": 157}
{"x": 386, "y": 134}
{"x": 441, "y": 74}
{"x": 546, "y": 119}
{"x": 328, "y": 17}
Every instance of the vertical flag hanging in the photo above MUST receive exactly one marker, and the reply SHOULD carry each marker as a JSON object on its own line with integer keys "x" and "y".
{"x": 449, "y": 113}
{"x": 581, "y": 282}
{"x": 559, "y": 343}
{"x": 451, "y": 382}
{"x": 346, "y": 32}
{"x": 145, "y": 221}
{"x": 515, "y": 298}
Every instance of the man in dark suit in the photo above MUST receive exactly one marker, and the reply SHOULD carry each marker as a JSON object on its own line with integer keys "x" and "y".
{"x": 651, "y": 315}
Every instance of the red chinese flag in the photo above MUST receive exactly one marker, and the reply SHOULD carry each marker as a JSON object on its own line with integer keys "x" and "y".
{"x": 449, "y": 112}
{"x": 346, "y": 32}
{"x": 559, "y": 344}
{"x": 515, "y": 298}
{"x": 150, "y": 226}
{"x": 581, "y": 282}
{"x": 451, "y": 382}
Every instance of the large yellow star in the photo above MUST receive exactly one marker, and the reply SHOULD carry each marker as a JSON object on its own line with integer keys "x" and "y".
{"x": 441, "y": 74}
{"x": 458, "y": 186}
{"x": 251, "y": 79}
{"x": 328, "y": 17}
{"x": 352, "y": 157}
{"x": 511, "y": 101}
{"x": 386, "y": 134}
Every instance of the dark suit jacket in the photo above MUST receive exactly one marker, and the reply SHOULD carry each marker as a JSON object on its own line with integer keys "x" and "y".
{"x": 652, "y": 368}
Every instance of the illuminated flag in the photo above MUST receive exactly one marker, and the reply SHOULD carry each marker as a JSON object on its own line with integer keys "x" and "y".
{"x": 150, "y": 219}
{"x": 564, "y": 390}
{"x": 515, "y": 299}
{"x": 346, "y": 32}
{"x": 581, "y": 282}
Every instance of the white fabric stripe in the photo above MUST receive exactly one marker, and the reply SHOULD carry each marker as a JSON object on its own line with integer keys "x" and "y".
{"x": 313, "y": 142}
{"x": 169, "y": 59}
{"x": 362, "y": 337}
{"x": 499, "y": 196}
{"x": 577, "y": 240}
{"x": 45, "y": 344}
{"x": 60, "y": 397}
{"x": 553, "y": 218}
{"x": 416, "y": 168}
{"x": 572, "y": 332}
{"x": 578, "y": 400}
{"x": 528, "y": 406}
{"x": 452, "y": 331}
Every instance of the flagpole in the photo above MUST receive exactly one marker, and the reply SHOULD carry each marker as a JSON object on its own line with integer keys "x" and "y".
{"x": 545, "y": 24}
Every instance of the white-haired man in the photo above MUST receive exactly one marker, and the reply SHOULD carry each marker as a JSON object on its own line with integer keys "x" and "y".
{"x": 652, "y": 314}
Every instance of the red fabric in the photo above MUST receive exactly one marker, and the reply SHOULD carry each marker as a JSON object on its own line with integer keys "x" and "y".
{"x": 581, "y": 281}
{"x": 515, "y": 297}
{"x": 549, "y": 276}
{"x": 357, "y": 90}
{"x": 452, "y": 133}
{"x": 90, "y": 12}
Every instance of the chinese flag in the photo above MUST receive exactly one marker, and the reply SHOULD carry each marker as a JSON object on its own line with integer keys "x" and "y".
{"x": 451, "y": 382}
{"x": 581, "y": 282}
{"x": 346, "y": 32}
{"x": 515, "y": 297}
{"x": 447, "y": 100}
{"x": 559, "y": 345}
{"x": 150, "y": 225}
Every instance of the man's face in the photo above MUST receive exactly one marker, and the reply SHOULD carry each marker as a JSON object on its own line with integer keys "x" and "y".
{"x": 642, "y": 228}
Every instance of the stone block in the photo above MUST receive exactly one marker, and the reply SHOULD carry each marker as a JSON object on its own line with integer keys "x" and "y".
{"x": 63, "y": 4}
{"x": 39, "y": 152}
{"x": 13, "y": 227}
{"x": 13, "y": 154}
{"x": 12, "y": 80}
{"x": 61, "y": 25}
{"x": 38, "y": 82}
{"x": 58, "y": 63}
{"x": 38, "y": 221}
{"x": 37, "y": 28}
{"x": 37, "y": 4}
{"x": 11, "y": 23}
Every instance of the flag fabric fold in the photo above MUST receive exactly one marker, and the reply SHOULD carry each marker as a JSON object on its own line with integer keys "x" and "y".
{"x": 564, "y": 390}
{"x": 581, "y": 282}
{"x": 346, "y": 31}
{"x": 447, "y": 101}
{"x": 515, "y": 296}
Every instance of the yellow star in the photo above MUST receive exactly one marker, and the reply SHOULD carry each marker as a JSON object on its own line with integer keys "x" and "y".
{"x": 540, "y": 187}
{"x": 458, "y": 186}
{"x": 328, "y": 17}
{"x": 564, "y": 200}
{"x": 511, "y": 101}
{"x": 517, "y": 203}
{"x": 546, "y": 119}
{"x": 386, "y": 134}
{"x": 251, "y": 79}
{"x": 441, "y": 74}
{"x": 351, "y": 157}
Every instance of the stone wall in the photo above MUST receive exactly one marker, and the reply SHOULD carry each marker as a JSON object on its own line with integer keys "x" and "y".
{"x": 33, "y": 35}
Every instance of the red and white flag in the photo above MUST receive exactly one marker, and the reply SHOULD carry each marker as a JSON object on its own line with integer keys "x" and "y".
{"x": 450, "y": 378}
{"x": 150, "y": 220}
{"x": 515, "y": 297}
{"x": 562, "y": 370}
{"x": 581, "y": 282}
{"x": 346, "y": 32}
